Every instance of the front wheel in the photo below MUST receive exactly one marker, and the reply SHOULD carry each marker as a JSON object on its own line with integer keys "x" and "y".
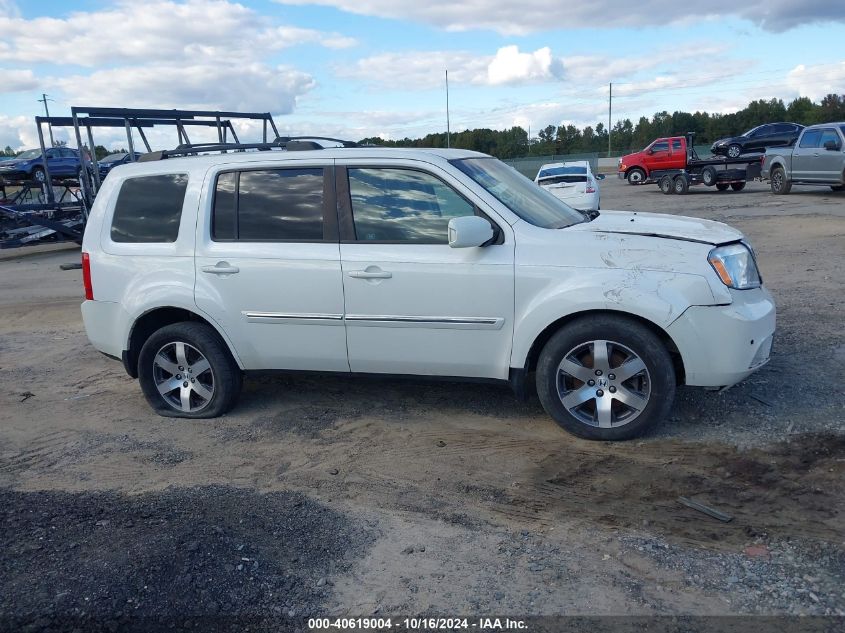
{"x": 734, "y": 151}
{"x": 636, "y": 176}
{"x": 605, "y": 378}
{"x": 39, "y": 175}
{"x": 186, "y": 371}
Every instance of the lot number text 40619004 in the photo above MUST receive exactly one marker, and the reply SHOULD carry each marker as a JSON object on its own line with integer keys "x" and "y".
{"x": 417, "y": 624}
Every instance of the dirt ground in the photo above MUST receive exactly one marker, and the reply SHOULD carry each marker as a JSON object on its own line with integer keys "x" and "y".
{"x": 352, "y": 497}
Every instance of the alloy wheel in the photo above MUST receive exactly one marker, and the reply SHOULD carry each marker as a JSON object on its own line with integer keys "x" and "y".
{"x": 603, "y": 384}
{"x": 183, "y": 377}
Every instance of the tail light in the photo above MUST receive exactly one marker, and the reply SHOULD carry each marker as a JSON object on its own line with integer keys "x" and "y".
{"x": 591, "y": 186}
{"x": 86, "y": 277}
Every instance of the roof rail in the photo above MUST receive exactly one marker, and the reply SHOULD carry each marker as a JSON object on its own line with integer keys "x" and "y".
{"x": 289, "y": 143}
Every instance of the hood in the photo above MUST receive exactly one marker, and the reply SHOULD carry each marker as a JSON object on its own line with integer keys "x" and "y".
{"x": 6, "y": 162}
{"x": 728, "y": 140}
{"x": 673, "y": 227}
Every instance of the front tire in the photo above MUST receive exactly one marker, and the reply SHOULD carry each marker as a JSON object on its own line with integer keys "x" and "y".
{"x": 186, "y": 371}
{"x": 734, "y": 151}
{"x": 39, "y": 175}
{"x": 636, "y": 176}
{"x": 632, "y": 376}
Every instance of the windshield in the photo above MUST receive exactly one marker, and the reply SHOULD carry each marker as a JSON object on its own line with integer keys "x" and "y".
{"x": 752, "y": 130}
{"x": 29, "y": 153}
{"x": 528, "y": 201}
{"x": 112, "y": 158}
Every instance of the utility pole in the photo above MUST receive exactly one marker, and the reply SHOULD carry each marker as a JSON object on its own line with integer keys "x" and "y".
{"x": 47, "y": 112}
{"x": 448, "y": 131}
{"x": 609, "y": 116}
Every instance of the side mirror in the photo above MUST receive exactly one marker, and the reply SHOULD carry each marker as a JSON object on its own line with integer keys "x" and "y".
{"x": 649, "y": 151}
{"x": 469, "y": 230}
{"x": 831, "y": 146}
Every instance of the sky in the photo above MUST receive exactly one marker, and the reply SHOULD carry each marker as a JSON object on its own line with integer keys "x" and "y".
{"x": 360, "y": 68}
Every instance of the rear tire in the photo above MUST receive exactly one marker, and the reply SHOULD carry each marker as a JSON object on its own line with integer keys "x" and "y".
{"x": 779, "y": 183}
{"x": 680, "y": 185}
{"x": 722, "y": 186}
{"x": 604, "y": 414}
{"x": 186, "y": 371}
{"x": 837, "y": 187}
{"x": 636, "y": 176}
{"x": 737, "y": 186}
{"x": 709, "y": 176}
{"x": 665, "y": 185}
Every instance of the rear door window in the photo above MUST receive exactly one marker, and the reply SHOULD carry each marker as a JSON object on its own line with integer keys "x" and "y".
{"x": 676, "y": 144}
{"x": 269, "y": 205}
{"x": 660, "y": 146}
{"x": 811, "y": 138}
{"x": 829, "y": 134}
{"x": 149, "y": 208}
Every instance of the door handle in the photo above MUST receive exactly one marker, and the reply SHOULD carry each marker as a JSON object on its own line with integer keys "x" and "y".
{"x": 368, "y": 274}
{"x": 221, "y": 268}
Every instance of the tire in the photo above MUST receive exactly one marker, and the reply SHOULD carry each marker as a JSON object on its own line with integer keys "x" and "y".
{"x": 837, "y": 187}
{"x": 665, "y": 185}
{"x": 650, "y": 390}
{"x": 39, "y": 175}
{"x": 709, "y": 176}
{"x": 635, "y": 176}
{"x": 214, "y": 389}
{"x": 722, "y": 186}
{"x": 680, "y": 185}
{"x": 737, "y": 186}
{"x": 778, "y": 182}
{"x": 734, "y": 150}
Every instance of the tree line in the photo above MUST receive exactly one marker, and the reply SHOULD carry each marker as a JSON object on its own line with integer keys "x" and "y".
{"x": 627, "y": 135}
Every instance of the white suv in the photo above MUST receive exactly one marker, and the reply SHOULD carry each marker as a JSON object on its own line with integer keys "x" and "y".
{"x": 425, "y": 262}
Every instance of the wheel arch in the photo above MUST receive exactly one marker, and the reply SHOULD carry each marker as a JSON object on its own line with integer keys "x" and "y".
{"x": 156, "y": 318}
{"x": 555, "y": 326}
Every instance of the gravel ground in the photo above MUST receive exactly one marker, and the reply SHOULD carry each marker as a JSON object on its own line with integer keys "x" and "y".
{"x": 358, "y": 497}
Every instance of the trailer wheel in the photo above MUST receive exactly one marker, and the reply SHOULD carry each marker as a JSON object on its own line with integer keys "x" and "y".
{"x": 722, "y": 186}
{"x": 681, "y": 185}
{"x": 636, "y": 176}
{"x": 709, "y": 176}
{"x": 665, "y": 185}
{"x": 737, "y": 186}
{"x": 779, "y": 183}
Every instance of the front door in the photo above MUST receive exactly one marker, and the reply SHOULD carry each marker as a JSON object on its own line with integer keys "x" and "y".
{"x": 805, "y": 154}
{"x": 413, "y": 304}
{"x": 268, "y": 265}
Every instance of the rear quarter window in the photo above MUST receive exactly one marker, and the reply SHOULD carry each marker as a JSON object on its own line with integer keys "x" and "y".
{"x": 149, "y": 208}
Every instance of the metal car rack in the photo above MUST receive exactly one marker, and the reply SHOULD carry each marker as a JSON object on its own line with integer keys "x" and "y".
{"x": 18, "y": 211}
{"x": 289, "y": 143}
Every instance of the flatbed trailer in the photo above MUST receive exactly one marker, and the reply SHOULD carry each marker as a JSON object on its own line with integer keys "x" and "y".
{"x": 721, "y": 172}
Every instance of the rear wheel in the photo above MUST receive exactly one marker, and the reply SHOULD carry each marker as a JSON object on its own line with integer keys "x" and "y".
{"x": 605, "y": 377}
{"x": 779, "y": 183}
{"x": 636, "y": 176}
{"x": 680, "y": 185}
{"x": 665, "y": 185}
{"x": 737, "y": 186}
{"x": 722, "y": 186}
{"x": 708, "y": 176}
{"x": 734, "y": 150}
{"x": 837, "y": 187}
{"x": 186, "y": 371}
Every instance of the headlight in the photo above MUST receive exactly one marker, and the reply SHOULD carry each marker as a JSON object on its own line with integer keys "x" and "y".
{"x": 735, "y": 265}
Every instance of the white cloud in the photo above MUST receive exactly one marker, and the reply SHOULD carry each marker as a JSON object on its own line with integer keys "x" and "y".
{"x": 424, "y": 70}
{"x": 511, "y": 66}
{"x": 817, "y": 82}
{"x": 519, "y": 18}
{"x": 159, "y": 30}
{"x": 253, "y": 87}
{"x": 16, "y": 80}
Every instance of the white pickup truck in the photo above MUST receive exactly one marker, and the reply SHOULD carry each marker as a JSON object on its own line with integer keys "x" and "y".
{"x": 818, "y": 158}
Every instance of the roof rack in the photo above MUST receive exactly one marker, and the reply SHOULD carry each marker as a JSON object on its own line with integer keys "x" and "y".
{"x": 289, "y": 143}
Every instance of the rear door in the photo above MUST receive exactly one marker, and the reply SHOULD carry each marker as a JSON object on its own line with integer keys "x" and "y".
{"x": 413, "y": 304}
{"x": 268, "y": 264}
{"x": 805, "y": 154}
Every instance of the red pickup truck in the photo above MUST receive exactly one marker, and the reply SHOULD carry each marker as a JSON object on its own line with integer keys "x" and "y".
{"x": 664, "y": 153}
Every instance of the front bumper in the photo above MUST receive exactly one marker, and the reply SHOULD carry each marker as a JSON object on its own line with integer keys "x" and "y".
{"x": 722, "y": 345}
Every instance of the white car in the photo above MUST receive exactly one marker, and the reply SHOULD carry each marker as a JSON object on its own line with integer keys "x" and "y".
{"x": 436, "y": 262}
{"x": 573, "y": 182}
